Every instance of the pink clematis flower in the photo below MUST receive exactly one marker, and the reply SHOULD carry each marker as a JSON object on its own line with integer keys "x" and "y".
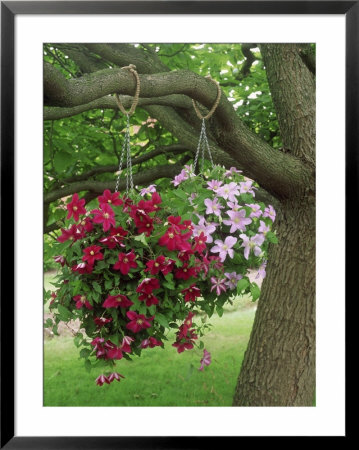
{"x": 76, "y": 207}
{"x": 148, "y": 190}
{"x": 224, "y": 248}
{"x": 213, "y": 207}
{"x": 270, "y": 212}
{"x": 262, "y": 270}
{"x": 229, "y": 191}
{"x": 105, "y": 215}
{"x": 214, "y": 185}
{"x": 115, "y": 376}
{"x": 246, "y": 187}
{"x": 238, "y": 220}
{"x": 232, "y": 171}
{"x": 178, "y": 179}
{"x": 126, "y": 344}
{"x": 252, "y": 243}
{"x": 111, "y": 199}
{"x": 256, "y": 210}
{"x": 263, "y": 228}
{"x": 206, "y": 360}
{"x": 151, "y": 342}
{"x": 204, "y": 227}
{"x": 114, "y": 301}
{"x": 218, "y": 285}
{"x": 60, "y": 259}
{"x": 233, "y": 279}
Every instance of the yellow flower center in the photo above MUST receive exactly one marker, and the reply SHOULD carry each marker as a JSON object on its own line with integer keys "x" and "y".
{"x": 214, "y": 207}
{"x": 170, "y": 235}
{"x": 236, "y": 220}
{"x": 106, "y": 215}
{"x": 148, "y": 225}
{"x": 140, "y": 321}
{"x": 125, "y": 260}
{"x": 75, "y": 208}
{"x": 200, "y": 242}
{"x": 156, "y": 264}
{"x": 184, "y": 270}
{"x": 109, "y": 201}
{"x": 225, "y": 247}
{"x": 92, "y": 252}
{"x": 82, "y": 299}
{"x": 190, "y": 290}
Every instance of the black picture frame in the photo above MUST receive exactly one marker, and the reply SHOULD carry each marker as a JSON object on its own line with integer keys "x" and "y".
{"x": 9, "y": 9}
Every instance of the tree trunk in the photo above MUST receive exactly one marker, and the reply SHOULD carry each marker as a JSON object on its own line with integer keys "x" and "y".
{"x": 279, "y": 364}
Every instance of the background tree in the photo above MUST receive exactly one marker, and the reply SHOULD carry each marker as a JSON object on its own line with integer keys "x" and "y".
{"x": 264, "y": 125}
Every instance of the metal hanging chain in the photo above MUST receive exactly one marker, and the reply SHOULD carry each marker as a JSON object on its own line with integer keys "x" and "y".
{"x": 126, "y": 146}
{"x": 203, "y": 140}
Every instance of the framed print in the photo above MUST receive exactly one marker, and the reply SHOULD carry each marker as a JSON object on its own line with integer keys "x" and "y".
{"x": 170, "y": 167}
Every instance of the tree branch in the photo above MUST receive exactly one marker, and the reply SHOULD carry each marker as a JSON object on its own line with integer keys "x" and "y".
{"x": 142, "y": 178}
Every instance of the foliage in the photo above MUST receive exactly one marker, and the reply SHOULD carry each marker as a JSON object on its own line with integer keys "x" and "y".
{"x": 134, "y": 270}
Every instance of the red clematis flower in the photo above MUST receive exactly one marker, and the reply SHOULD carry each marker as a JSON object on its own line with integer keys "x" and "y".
{"x": 148, "y": 285}
{"x": 86, "y": 224}
{"x": 150, "y": 299}
{"x": 125, "y": 262}
{"x": 60, "y": 259}
{"x": 191, "y": 293}
{"x": 116, "y": 237}
{"x": 82, "y": 268}
{"x": 114, "y": 352}
{"x": 138, "y": 321}
{"x": 76, "y": 207}
{"x": 101, "y": 379}
{"x": 74, "y": 232}
{"x": 126, "y": 344}
{"x": 159, "y": 265}
{"x": 101, "y": 321}
{"x": 185, "y": 272}
{"x": 92, "y": 254}
{"x": 105, "y": 215}
{"x": 114, "y": 301}
{"x": 185, "y": 255}
{"x": 156, "y": 200}
{"x": 81, "y": 301}
{"x": 200, "y": 243}
{"x": 182, "y": 346}
{"x": 185, "y": 327}
{"x": 115, "y": 376}
{"x": 109, "y": 198}
{"x": 151, "y": 342}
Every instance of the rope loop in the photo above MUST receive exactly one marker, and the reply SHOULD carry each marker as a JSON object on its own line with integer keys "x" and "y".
{"x": 212, "y": 110}
{"x": 132, "y": 69}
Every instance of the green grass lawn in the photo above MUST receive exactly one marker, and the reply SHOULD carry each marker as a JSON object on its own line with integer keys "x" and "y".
{"x": 160, "y": 377}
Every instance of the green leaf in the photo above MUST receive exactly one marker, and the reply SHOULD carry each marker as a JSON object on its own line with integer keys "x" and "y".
{"x": 85, "y": 353}
{"x": 272, "y": 237}
{"x": 255, "y": 291}
{"x": 242, "y": 285}
{"x": 62, "y": 160}
{"x": 97, "y": 287}
{"x": 65, "y": 314}
{"x": 182, "y": 195}
{"x": 78, "y": 340}
{"x": 88, "y": 365}
{"x": 141, "y": 238}
{"x": 108, "y": 284}
{"x": 219, "y": 310}
{"x": 162, "y": 320}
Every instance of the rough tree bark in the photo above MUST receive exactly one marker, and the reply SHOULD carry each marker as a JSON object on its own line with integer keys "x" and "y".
{"x": 279, "y": 365}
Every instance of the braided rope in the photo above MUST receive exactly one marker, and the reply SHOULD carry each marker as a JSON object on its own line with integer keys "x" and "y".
{"x": 132, "y": 69}
{"x": 212, "y": 110}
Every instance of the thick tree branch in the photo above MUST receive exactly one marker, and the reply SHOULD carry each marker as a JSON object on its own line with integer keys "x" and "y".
{"x": 109, "y": 102}
{"x": 141, "y": 178}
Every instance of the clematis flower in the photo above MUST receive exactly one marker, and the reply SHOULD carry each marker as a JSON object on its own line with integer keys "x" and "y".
{"x": 232, "y": 171}
{"x": 233, "y": 279}
{"x": 137, "y": 322}
{"x": 206, "y": 360}
{"x": 76, "y": 207}
{"x": 92, "y": 254}
{"x": 229, "y": 191}
{"x": 60, "y": 259}
{"x": 213, "y": 207}
{"x": 125, "y": 262}
{"x": 115, "y": 237}
{"x": 150, "y": 299}
{"x": 238, "y": 220}
{"x": 270, "y": 212}
{"x": 185, "y": 272}
{"x": 101, "y": 321}
{"x": 111, "y": 199}
{"x": 204, "y": 227}
{"x": 224, "y": 248}
{"x": 186, "y": 326}
{"x": 82, "y": 268}
{"x": 218, "y": 285}
{"x": 148, "y": 190}
{"x": 86, "y": 224}
{"x": 246, "y": 187}
{"x": 151, "y": 342}
{"x": 234, "y": 206}
{"x": 81, "y": 301}
{"x": 114, "y": 352}
{"x": 154, "y": 266}
{"x": 100, "y": 380}
{"x": 191, "y": 293}
{"x": 252, "y": 243}
{"x": 74, "y": 233}
{"x": 182, "y": 346}
{"x": 114, "y": 301}
{"x": 200, "y": 243}
{"x": 262, "y": 270}
{"x": 263, "y": 228}
{"x": 174, "y": 241}
{"x": 105, "y": 215}
{"x": 256, "y": 210}
{"x": 126, "y": 344}
{"x": 115, "y": 376}
{"x": 214, "y": 185}
{"x": 178, "y": 179}
{"x": 148, "y": 285}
